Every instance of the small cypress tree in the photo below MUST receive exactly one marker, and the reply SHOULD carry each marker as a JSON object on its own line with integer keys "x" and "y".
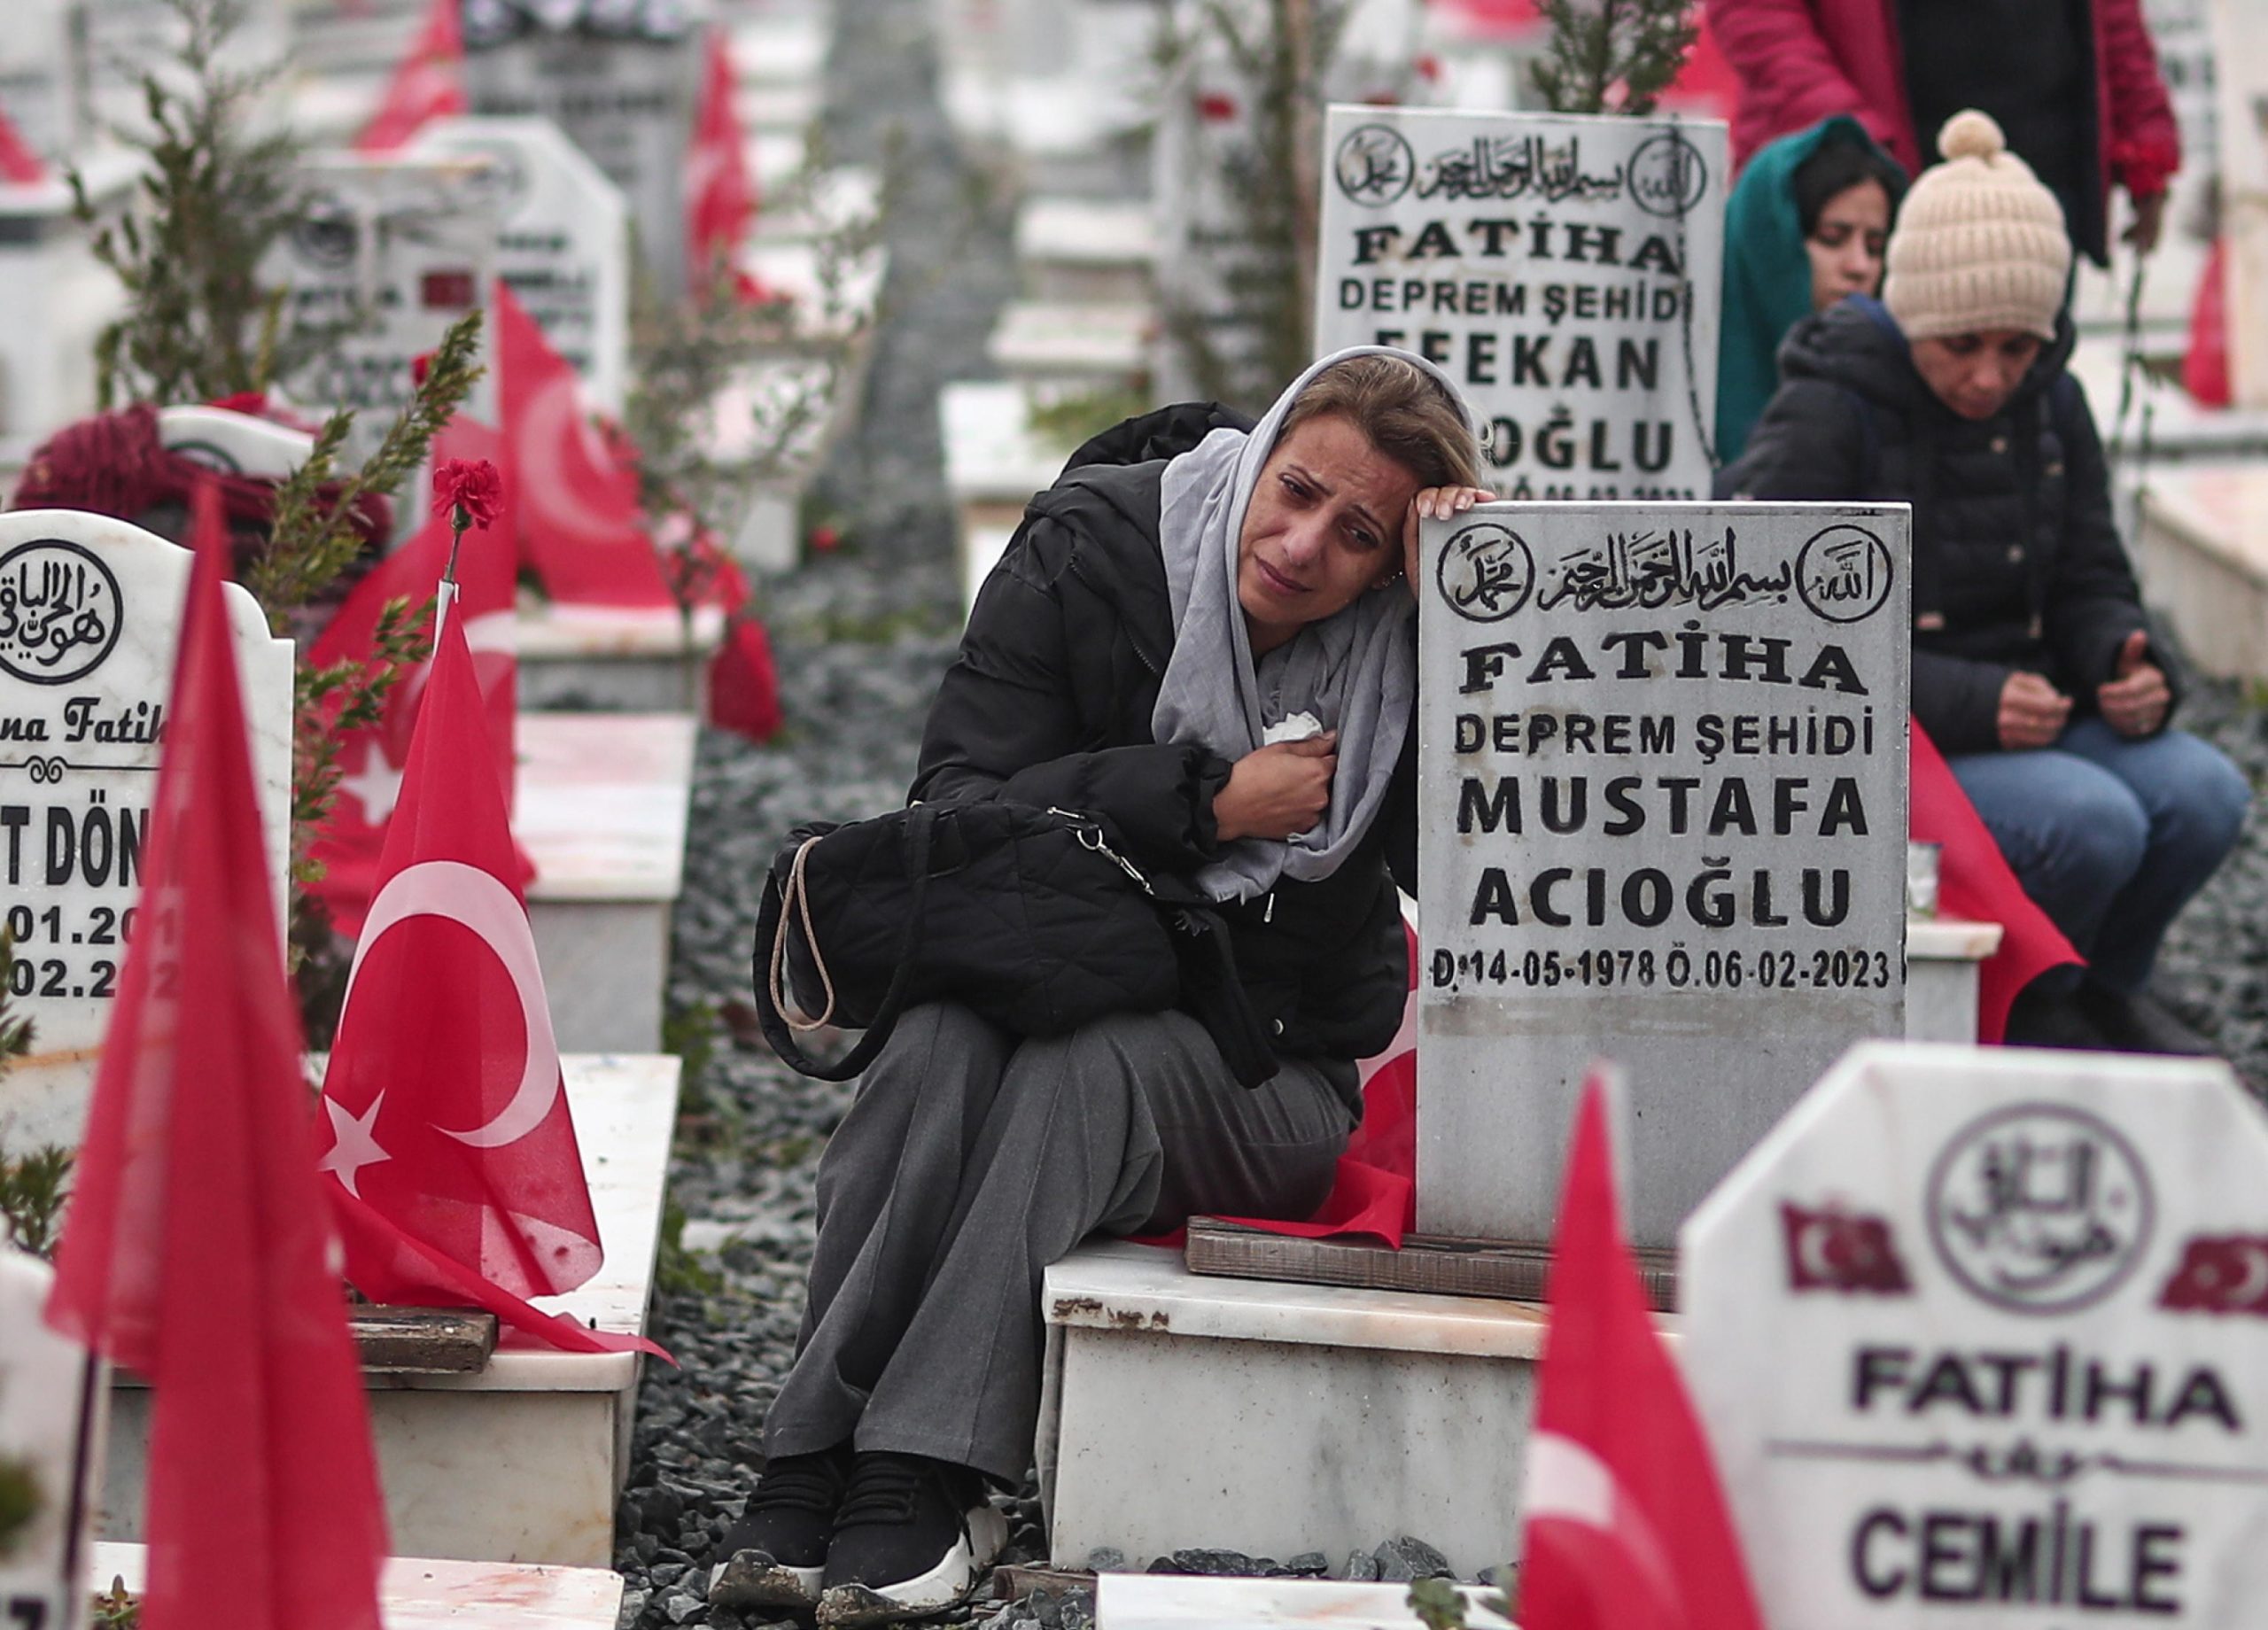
{"x": 1611, "y": 56}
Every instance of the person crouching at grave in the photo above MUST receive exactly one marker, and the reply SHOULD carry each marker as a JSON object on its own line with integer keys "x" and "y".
{"x": 1805, "y": 227}
{"x": 2034, "y": 669}
{"x": 1201, "y": 634}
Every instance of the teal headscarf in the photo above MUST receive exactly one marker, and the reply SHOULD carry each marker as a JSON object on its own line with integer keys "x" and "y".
{"x": 1768, "y": 275}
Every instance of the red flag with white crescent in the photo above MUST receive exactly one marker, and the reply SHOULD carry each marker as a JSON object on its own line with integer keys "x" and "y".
{"x": 582, "y": 528}
{"x": 720, "y": 190}
{"x": 1627, "y": 1527}
{"x": 199, "y": 1250}
{"x": 372, "y": 761}
{"x": 427, "y": 84}
{"x": 445, "y": 1102}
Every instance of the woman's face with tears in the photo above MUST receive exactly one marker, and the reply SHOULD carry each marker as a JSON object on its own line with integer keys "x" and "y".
{"x": 1323, "y": 528}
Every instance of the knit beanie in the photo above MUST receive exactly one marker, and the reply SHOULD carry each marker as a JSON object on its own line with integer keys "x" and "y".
{"x": 1979, "y": 243}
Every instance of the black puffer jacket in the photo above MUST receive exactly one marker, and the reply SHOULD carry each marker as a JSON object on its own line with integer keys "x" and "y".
{"x": 1049, "y": 704}
{"x": 2016, "y": 564}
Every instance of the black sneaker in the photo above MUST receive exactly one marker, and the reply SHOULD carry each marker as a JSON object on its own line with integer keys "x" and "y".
{"x": 774, "y": 1554}
{"x": 912, "y": 1537}
{"x": 2141, "y": 1023}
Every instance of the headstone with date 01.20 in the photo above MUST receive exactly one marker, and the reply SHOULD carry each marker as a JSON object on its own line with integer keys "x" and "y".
{"x": 1565, "y": 270}
{"x": 386, "y": 255}
{"x": 1663, "y": 822}
{"x": 1981, "y": 1339}
{"x": 89, "y": 619}
{"x": 52, "y": 1404}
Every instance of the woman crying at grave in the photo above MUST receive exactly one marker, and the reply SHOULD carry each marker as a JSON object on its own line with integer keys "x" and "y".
{"x": 1200, "y": 638}
{"x": 2034, "y": 670}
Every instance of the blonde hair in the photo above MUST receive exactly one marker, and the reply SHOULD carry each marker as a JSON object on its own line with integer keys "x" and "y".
{"x": 1407, "y": 413}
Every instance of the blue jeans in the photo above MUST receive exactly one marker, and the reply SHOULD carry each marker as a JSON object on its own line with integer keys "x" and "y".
{"x": 2110, "y": 836}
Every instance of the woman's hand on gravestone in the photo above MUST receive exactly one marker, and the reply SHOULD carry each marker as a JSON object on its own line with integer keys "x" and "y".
{"x": 2135, "y": 701}
{"x": 1432, "y": 503}
{"x": 1275, "y": 792}
{"x": 2032, "y": 712}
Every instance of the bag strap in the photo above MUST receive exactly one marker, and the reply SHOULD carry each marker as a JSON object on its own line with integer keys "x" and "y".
{"x": 770, "y": 990}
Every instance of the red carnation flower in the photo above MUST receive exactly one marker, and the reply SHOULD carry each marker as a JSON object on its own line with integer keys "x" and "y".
{"x": 471, "y": 487}
{"x": 420, "y": 366}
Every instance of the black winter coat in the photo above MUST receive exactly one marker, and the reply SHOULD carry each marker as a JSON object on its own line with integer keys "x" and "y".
{"x": 1049, "y": 704}
{"x": 2017, "y": 563}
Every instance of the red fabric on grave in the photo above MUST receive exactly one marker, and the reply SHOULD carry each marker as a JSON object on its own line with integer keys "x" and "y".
{"x": 1974, "y": 883}
{"x": 197, "y": 1249}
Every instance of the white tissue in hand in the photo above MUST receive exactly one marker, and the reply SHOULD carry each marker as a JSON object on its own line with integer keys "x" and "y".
{"x": 1298, "y": 728}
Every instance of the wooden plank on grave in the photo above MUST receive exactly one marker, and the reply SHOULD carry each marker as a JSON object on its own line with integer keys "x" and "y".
{"x": 1014, "y": 1581}
{"x": 422, "y": 1340}
{"x": 1434, "y": 1264}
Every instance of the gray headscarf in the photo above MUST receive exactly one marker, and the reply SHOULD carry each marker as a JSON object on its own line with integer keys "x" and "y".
{"x": 1355, "y": 672}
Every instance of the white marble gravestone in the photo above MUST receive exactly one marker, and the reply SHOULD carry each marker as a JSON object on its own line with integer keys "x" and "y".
{"x": 90, "y": 618}
{"x": 1981, "y": 1339}
{"x": 390, "y": 252}
{"x": 1662, "y": 821}
{"x": 52, "y": 1404}
{"x": 43, "y": 56}
{"x": 564, "y": 249}
{"x": 1565, "y": 270}
{"x": 233, "y": 443}
{"x": 621, "y": 80}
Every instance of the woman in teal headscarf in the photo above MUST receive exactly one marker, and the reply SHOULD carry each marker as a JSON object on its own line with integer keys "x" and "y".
{"x": 1804, "y": 227}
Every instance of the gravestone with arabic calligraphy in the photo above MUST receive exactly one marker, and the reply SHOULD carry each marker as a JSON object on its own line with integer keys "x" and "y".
{"x": 1980, "y": 1337}
{"x": 1565, "y": 270}
{"x": 620, "y": 77}
{"x": 89, "y": 618}
{"x": 386, "y": 255}
{"x": 53, "y": 1407}
{"x": 564, "y": 247}
{"x": 1662, "y": 759}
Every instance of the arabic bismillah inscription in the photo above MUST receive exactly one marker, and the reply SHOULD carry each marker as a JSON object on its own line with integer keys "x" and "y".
{"x": 1650, "y": 569}
{"x": 59, "y": 611}
{"x": 2039, "y": 1208}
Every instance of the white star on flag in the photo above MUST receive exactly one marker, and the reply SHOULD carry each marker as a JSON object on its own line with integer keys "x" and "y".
{"x": 354, "y": 1143}
{"x": 375, "y": 786}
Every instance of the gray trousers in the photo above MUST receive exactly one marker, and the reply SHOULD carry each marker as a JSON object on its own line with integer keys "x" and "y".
{"x": 971, "y": 1159}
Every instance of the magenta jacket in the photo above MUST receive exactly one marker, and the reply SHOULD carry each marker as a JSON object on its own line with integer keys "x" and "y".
{"x": 1800, "y": 60}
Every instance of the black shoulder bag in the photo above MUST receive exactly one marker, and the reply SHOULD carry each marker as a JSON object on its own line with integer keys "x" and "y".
{"x": 1030, "y": 917}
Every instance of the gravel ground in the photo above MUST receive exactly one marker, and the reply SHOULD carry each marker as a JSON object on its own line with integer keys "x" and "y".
{"x": 861, "y": 637}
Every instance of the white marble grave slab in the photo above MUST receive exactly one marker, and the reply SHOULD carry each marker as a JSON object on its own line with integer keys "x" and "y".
{"x": 523, "y": 1461}
{"x": 2200, "y": 550}
{"x": 236, "y": 444}
{"x": 393, "y": 250}
{"x": 562, "y": 243}
{"x": 1981, "y": 1337}
{"x": 2241, "y": 65}
{"x": 425, "y": 1593}
{"x": 90, "y": 620}
{"x": 601, "y": 811}
{"x": 1160, "y": 1602}
{"x": 42, "y": 77}
{"x": 634, "y": 659}
{"x": 1102, "y": 344}
{"x": 51, "y": 1413}
{"x": 1565, "y": 270}
{"x": 1662, "y": 750}
{"x": 1086, "y": 249}
{"x": 1275, "y": 1418}
{"x": 47, "y": 367}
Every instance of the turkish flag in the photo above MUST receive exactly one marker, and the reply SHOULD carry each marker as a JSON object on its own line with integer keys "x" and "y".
{"x": 720, "y": 192}
{"x": 427, "y": 84}
{"x": 1974, "y": 883}
{"x": 199, "y": 1250}
{"x": 582, "y": 529}
{"x": 371, "y": 760}
{"x": 1627, "y": 1525}
{"x": 2219, "y": 1273}
{"x": 446, "y": 1101}
{"x": 1832, "y": 1249}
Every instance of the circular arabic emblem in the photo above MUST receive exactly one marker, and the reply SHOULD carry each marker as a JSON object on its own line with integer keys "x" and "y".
{"x": 1843, "y": 574}
{"x": 2039, "y": 1208}
{"x": 1667, "y": 175}
{"x": 1374, "y": 165}
{"x": 1486, "y": 572}
{"x": 60, "y": 612}
{"x": 326, "y": 233}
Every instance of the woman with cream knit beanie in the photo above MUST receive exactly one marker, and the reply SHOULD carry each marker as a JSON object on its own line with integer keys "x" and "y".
{"x": 2034, "y": 669}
